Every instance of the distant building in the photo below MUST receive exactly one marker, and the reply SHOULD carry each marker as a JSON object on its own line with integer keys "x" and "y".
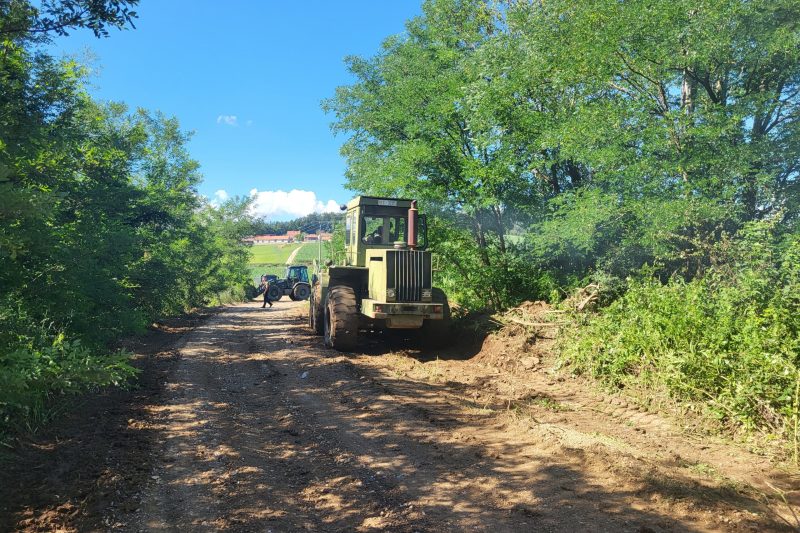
{"x": 268, "y": 239}
{"x": 313, "y": 237}
{"x": 291, "y": 236}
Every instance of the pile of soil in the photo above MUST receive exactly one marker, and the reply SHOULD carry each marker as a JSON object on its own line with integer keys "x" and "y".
{"x": 524, "y": 341}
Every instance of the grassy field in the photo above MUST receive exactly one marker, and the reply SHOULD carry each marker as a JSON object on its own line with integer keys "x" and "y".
{"x": 272, "y": 253}
{"x": 309, "y": 252}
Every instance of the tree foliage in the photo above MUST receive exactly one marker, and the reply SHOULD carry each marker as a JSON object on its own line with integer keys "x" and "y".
{"x": 611, "y": 134}
{"x": 22, "y": 20}
{"x": 101, "y": 226}
{"x": 309, "y": 224}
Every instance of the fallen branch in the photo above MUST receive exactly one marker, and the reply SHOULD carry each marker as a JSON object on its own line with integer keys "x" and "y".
{"x": 592, "y": 297}
{"x": 534, "y": 324}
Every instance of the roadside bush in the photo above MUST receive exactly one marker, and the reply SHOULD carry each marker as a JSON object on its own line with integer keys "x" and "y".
{"x": 730, "y": 339}
{"x": 31, "y": 377}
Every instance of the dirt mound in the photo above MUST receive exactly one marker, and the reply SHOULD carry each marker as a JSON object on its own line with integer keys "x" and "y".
{"x": 524, "y": 340}
{"x": 533, "y": 309}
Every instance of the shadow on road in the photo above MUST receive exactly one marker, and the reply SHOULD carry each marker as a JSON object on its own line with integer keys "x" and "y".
{"x": 256, "y": 426}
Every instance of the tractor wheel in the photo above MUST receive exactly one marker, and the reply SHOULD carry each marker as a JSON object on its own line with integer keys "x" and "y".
{"x": 301, "y": 291}
{"x": 437, "y": 333}
{"x": 274, "y": 293}
{"x": 316, "y": 312}
{"x": 341, "y": 318}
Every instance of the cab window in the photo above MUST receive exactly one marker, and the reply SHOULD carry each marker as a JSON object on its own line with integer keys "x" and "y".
{"x": 386, "y": 230}
{"x": 383, "y": 230}
{"x": 348, "y": 228}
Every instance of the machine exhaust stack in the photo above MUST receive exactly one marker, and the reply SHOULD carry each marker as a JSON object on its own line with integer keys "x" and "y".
{"x": 412, "y": 225}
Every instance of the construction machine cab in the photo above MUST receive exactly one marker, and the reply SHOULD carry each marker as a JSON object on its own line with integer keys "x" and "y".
{"x": 380, "y": 223}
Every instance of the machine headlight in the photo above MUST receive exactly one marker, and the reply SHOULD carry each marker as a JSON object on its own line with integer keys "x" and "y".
{"x": 390, "y": 294}
{"x": 426, "y": 295}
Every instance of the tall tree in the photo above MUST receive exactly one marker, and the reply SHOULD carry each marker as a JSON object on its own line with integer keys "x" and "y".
{"x": 408, "y": 116}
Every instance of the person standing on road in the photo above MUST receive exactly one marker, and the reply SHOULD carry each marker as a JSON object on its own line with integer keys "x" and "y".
{"x": 265, "y": 288}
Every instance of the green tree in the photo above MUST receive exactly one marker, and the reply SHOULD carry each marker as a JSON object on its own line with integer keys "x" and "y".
{"x": 37, "y": 21}
{"x": 619, "y": 134}
{"x": 408, "y": 117}
{"x": 685, "y": 113}
{"x": 101, "y": 226}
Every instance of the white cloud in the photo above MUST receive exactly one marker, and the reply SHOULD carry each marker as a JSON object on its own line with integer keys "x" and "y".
{"x": 295, "y": 203}
{"x": 219, "y": 197}
{"x": 229, "y": 120}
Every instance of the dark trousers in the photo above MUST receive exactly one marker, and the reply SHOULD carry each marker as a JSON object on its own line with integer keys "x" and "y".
{"x": 266, "y": 299}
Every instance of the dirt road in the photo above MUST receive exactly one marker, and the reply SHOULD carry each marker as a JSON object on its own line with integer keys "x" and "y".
{"x": 251, "y": 425}
{"x": 290, "y": 259}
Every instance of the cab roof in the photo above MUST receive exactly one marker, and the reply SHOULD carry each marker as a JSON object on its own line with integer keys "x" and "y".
{"x": 378, "y": 200}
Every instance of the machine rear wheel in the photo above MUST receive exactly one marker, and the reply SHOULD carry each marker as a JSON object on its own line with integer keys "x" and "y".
{"x": 341, "y": 318}
{"x": 316, "y": 312}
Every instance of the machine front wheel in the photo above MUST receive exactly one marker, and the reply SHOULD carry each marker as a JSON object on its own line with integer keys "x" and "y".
{"x": 341, "y": 318}
{"x": 274, "y": 293}
{"x": 438, "y": 333}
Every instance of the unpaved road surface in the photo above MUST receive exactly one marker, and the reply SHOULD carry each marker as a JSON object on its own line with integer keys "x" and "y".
{"x": 244, "y": 422}
{"x": 290, "y": 259}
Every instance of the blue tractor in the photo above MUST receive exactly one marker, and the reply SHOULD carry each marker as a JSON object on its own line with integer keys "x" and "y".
{"x": 295, "y": 284}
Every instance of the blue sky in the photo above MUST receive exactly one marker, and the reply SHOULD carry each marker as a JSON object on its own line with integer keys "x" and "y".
{"x": 247, "y": 77}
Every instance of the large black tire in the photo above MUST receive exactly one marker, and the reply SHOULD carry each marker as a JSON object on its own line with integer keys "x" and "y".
{"x": 274, "y": 293}
{"x": 301, "y": 291}
{"x": 341, "y": 318}
{"x": 316, "y": 312}
{"x": 438, "y": 333}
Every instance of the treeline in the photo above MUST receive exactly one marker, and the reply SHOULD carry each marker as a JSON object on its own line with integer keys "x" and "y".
{"x": 311, "y": 223}
{"x": 101, "y": 226}
{"x": 649, "y": 148}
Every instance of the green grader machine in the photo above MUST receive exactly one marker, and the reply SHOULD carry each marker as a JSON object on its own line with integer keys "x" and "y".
{"x": 385, "y": 281}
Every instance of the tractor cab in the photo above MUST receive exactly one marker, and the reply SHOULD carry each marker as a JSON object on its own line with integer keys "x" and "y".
{"x": 296, "y": 274}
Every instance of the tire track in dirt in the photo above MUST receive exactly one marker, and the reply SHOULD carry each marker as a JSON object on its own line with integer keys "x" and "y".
{"x": 243, "y": 451}
{"x": 646, "y": 435}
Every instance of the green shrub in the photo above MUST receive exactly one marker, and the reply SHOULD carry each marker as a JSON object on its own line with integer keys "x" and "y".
{"x": 31, "y": 377}
{"x": 730, "y": 338}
